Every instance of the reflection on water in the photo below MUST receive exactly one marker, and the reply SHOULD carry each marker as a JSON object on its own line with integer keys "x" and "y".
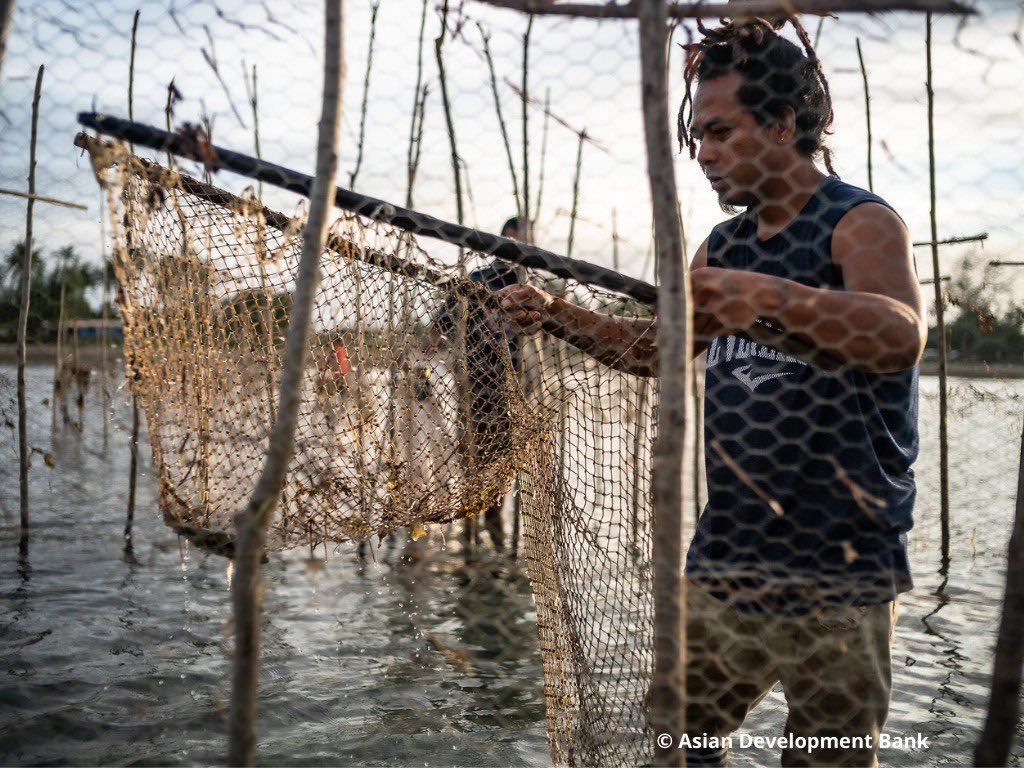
{"x": 110, "y": 655}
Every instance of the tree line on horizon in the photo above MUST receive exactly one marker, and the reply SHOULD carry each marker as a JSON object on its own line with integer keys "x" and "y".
{"x": 49, "y": 271}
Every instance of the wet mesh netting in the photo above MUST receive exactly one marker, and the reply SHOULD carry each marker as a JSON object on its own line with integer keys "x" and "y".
{"x": 395, "y": 430}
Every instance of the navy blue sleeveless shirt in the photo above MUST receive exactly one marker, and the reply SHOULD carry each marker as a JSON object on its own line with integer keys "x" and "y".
{"x": 832, "y": 452}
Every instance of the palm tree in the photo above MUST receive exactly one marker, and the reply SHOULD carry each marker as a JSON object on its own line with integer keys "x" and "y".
{"x": 14, "y": 261}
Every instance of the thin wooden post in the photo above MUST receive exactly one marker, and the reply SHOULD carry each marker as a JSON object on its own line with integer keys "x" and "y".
{"x": 133, "y": 474}
{"x": 668, "y": 691}
{"x": 543, "y": 153}
{"x": 449, "y": 123}
{"x": 1004, "y": 703}
{"x": 418, "y": 105}
{"x": 104, "y": 319}
{"x": 940, "y": 320}
{"x": 867, "y": 113}
{"x": 26, "y": 293}
{"x": 6, "y": 10}
{"x": 501, "y": 121}
{"x": 252, "y": 523}
{"x": 58, "y": 366}
{"x": 526, "y": 227}
{"x": 266, "y": 302}
{"x": 133, "y": 445}
{"x": 575, "y": 194}
{"x": 374, "y": 7}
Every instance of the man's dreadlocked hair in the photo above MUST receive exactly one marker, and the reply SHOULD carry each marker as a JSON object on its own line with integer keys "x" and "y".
{"x": 776, "y": 74}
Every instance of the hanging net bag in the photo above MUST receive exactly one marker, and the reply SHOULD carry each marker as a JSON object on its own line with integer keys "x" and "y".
{"x": 418, "y": 406}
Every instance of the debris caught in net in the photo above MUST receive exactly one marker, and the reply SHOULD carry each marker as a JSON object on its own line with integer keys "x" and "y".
{"x": 396, "y": 430}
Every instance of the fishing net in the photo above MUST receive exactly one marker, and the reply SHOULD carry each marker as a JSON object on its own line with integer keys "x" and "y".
{"x": 397, "y": 429}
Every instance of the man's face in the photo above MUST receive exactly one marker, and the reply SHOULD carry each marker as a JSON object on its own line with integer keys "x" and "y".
{"x": 737, "y": 154}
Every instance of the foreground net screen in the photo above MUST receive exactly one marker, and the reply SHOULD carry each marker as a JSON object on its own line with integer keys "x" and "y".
{"x": 851, "y": 443}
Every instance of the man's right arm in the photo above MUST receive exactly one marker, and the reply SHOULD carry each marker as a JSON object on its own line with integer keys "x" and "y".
{"x": 624, "y": 343}
{"x": 627, "y": 344}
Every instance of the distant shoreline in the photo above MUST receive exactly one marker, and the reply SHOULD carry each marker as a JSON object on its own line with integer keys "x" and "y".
{"x": 88, "y": 354}
{"x": 92, "y": 355}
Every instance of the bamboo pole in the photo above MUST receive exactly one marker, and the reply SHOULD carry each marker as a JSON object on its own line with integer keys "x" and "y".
{"x": 615, "y": 240}
{"x": 462, "y": 362}
{"x": 639, "y": 433}
{"x": 997, "y": 737}
{"x": 133, "y": 474}
{"x": 979, "y": 238}
{"x": 79, "y": 387}
{"x": 576, "y": 195}
{"x": 104, "y": 333}
{"x": 252, "y": 523}
{"x": 668, "y": 690}
{"x": 940, "y": 320}
{"x": 698, "y": 446}
{"x": 133, "y": 463}
{"x": 131, "y": 68}
{"x": 527, "y": 226}
{"x": 6, "y": 11}
{"x": 58, "y": 366}
{"x": 266, "y": 308}
{"x": 44, "y": 199}
{"x": 543, "y": 152}
{"x": 26, "y": 293}
{"x": 501, "y": 120}
{"x": 449, "y": 123}
{"x": 418, "y": 104}
{"x": 867, "y": 113}
{"x": 374, "y": 7}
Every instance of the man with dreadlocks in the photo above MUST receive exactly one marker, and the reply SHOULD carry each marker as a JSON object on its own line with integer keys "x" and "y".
{"x": 800, "y": 553}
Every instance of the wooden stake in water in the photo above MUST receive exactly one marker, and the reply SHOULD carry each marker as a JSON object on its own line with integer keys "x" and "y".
{"x": 940, "y": 320}
{"x": 104, "y": 332}
{"x": 253, "y": 521}
{"x": 6, "y": 9}
{"x": 133, "y": 465}
{"x": 1004, "y": 704}
{"x": 58, "y": 369}
{"x": 26, "y": 292}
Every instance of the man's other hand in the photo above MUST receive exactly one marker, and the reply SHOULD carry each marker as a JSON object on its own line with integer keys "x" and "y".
{"x": 526, "y": 306}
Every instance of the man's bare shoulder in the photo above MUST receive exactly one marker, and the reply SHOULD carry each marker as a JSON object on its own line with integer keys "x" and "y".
{"x": 870, "y": 225}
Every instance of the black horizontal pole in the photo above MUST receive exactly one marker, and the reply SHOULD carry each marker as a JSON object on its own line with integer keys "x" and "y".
{"x": 194, "y": 147}
{"x": 524, "y": 254}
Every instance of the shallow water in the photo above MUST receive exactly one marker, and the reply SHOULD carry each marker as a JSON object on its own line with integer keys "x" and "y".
{"x": 108, "y": 658}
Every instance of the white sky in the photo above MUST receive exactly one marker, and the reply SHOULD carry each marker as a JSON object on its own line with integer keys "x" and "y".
{"x": 592, "y": 72}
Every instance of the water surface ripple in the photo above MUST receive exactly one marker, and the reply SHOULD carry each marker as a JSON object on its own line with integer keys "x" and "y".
{"x": 122, "y": 658}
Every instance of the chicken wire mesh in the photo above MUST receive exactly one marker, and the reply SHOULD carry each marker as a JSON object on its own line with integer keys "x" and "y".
{"x": 581, "y": 442}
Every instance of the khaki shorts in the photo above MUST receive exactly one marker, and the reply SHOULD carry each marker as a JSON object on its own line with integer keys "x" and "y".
{"x": 834, "y": 666}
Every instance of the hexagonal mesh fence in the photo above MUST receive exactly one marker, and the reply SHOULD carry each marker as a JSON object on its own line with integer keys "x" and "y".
{"x": 855, "y": 416}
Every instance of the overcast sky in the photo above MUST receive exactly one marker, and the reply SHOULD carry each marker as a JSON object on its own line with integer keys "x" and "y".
{"x": 590, "y": 69}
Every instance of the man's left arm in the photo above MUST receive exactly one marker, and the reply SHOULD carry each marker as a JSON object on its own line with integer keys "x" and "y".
{"x": 876, "y": 323}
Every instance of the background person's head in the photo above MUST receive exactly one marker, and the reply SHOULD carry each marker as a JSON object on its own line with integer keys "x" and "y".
{"x": 511, "y": 229}
{"x": 772, "y": 90}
